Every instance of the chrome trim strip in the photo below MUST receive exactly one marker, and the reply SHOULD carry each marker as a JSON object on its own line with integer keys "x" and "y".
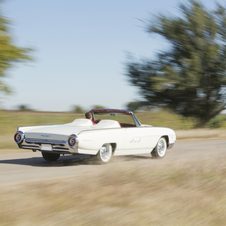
{"x": 45, "y": 142}
{"x": 109, "y": 110}
{"x": 29, "y": 147}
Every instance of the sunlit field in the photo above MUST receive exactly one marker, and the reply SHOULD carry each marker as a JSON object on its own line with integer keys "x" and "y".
{"x": 10, "y": 120}
{"x": 185, "y": 193}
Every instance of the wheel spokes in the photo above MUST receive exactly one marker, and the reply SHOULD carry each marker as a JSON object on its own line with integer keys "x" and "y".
{"x": 105, "y": 153}
{"x": 161, "y": 148}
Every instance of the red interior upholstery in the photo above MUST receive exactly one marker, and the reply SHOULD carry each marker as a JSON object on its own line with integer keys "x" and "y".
{"x": 127, "y": 125}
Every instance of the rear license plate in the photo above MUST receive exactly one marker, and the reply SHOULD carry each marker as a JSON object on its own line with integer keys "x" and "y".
{"x": 46, "y": 147}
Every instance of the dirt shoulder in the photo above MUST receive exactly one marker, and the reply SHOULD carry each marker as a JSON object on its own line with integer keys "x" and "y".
{"x": 200, "y": 134}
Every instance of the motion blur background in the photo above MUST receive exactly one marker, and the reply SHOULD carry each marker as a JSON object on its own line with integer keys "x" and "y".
{"x": 93, "y": 54}
{"x": 80, "y": 57}
{"x": 80, "y": 50}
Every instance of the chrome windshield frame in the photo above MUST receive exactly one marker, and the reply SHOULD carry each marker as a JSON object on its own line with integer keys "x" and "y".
{"x": 138, "y": 124}
{"x": 117, "y": 111}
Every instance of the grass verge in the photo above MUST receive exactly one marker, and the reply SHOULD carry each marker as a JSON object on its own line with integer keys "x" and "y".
{"x": 184, "y": 193}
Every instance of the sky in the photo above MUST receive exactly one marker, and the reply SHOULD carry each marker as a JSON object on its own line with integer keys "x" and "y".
{"x": 80, "y": 50}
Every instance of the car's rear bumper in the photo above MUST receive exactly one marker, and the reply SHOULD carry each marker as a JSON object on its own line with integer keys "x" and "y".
{"x": 61, "y": 147}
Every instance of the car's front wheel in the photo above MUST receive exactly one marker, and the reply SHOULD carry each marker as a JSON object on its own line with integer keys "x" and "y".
{"x": 51, "y": 157}
{"x": 104, "y": 154}
{"x": 160, "y": 149}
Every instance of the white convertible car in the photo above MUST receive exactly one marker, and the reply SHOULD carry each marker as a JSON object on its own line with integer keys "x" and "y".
{"x": 116, "y": 132}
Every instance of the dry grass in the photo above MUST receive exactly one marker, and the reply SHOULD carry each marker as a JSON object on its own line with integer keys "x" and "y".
{"x": 7, "y": 142}
{"x": 200, "y": 134}
{"x": 186, "y": 193}
{"x": 10, "y": 120}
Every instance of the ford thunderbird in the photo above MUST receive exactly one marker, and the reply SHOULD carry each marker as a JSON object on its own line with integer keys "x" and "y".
{"x": 111, "y": 132}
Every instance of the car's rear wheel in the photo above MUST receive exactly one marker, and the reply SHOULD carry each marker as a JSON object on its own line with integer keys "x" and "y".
{"x": 160, "y": 149}
{"x": 104, "y": 154}
{"x": 51, "y": 157}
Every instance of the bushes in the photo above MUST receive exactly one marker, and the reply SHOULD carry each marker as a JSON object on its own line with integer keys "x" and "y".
{"x": 217, "y": 122}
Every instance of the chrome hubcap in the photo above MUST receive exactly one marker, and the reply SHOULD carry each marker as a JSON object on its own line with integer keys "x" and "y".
{"x": 161, "y": 148}
{"x": 105, "y": 153}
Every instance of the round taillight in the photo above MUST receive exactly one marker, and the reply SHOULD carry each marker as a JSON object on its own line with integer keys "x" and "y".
{"x": 72, "y": 140}
{"x": 18, "y": 137}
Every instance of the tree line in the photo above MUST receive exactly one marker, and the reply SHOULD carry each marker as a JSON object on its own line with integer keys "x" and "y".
{"x": 188, "y": 78}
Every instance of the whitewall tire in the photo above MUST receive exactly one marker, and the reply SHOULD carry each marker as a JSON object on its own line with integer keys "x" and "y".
{"x": 160, "y": 149}
{"x": 105, "y": 153}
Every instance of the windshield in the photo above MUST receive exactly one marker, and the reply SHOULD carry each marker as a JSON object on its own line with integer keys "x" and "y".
{"x": 125, "y": 120}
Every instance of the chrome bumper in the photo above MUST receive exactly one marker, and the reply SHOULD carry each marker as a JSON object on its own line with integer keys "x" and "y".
{"x": 56, "y": 146}
{"x": 170, "y": 145}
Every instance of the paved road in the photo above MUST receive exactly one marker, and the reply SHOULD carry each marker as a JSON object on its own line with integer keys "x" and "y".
{"x": 31, "y": 166}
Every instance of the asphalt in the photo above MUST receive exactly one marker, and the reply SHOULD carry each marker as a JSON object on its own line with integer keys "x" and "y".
{"x": 30, "y": 166}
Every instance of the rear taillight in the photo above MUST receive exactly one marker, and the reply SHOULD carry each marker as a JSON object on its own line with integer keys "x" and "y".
{"x": 72, "y": 140}
{"x": 18, "y": 137}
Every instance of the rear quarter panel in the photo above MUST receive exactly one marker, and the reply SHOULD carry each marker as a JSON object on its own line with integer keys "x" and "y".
{"x": 91, "y": 141}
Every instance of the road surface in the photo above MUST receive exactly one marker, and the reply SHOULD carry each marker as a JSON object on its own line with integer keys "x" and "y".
{"x": 21, "y": 167}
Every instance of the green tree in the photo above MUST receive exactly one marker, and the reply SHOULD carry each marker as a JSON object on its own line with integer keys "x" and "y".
{"x": 133, "y": 106}
{"x": 98, "y": 107}
{"x": 9, "y": 53}
{"x": 24, "y": 107}
{"x": 190, "y": 77}
{"x": 78, "y": 109}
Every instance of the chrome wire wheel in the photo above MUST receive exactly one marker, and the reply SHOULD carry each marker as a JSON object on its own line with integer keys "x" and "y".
{"x": 160, "y": 149}
{"x": 105, "y": 153}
